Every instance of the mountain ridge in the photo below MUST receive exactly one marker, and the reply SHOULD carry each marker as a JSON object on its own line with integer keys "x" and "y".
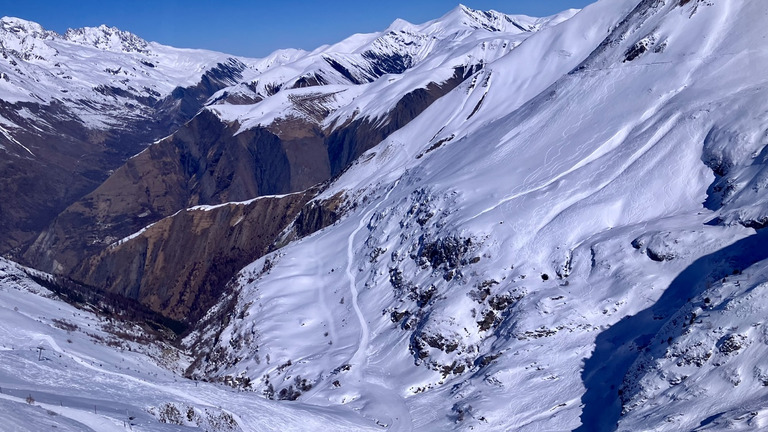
{"x": 289, "y": 127}
{"x": 493, "y": 212}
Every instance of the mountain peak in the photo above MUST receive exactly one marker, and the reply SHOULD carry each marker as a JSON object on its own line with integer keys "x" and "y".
{"x": 21, "y": 27}
{"x": 107, "y": 38}
{"x": 103, "y": 37}
{"x": 462, "y": 8}
{"x": 462, "y": 18}
{"x": 491, "y": 20}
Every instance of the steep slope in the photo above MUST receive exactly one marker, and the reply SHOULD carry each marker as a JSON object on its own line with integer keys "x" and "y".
{"x": 74, "y": 107}
{"x": 201, "y": 164}
{"x": 70, "y": 369}
{"x": 270, "y": 139}
{"x": 542, "y": 218}
{"x": 180, "y": 265}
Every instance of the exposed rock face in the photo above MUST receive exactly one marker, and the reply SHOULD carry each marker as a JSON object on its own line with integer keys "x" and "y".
{"x": 203, "y": 163}
{"x": 316, "y": 215}
{"x": 40, "y": 179}
{"x": 66, "y": 158}
{"x": 184, "y": 102}
{"x": 208, "y": 162}
{"x": 58, "y": 166}
{"x": 180, "y": 265}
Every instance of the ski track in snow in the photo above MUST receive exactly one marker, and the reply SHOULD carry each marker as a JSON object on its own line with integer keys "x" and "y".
{"x": 378, "y": 397}
{"x": 360, "y": 354}
{"x": 321, "y": 300}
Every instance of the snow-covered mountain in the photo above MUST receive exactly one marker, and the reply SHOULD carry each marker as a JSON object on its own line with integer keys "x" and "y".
{"x": 74, "y": 107}
{"x": 294, "y": 125}
{"x": 71, "y": 67}
{"x": 516, "y": 224}
{"x": 532, "y": 250}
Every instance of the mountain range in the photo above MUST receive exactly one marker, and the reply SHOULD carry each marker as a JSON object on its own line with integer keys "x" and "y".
{"x": 482, "y": 222}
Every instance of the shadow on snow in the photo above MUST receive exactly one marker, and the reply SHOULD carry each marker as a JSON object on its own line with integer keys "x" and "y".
{"x": 617, "y": 347}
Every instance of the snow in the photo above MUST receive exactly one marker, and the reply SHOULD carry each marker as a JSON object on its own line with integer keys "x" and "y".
{"x": 462, "y": 38}
{"x": 97, "y": 73}
{"x": 286, "y": 105}
{"x": 238, "y": 203}
{"x": 570, "y": 221}
{"x": 574, "y": 154}
{"x": 106, "y": 38}
{"x": 81, "y": 373}
{"x": 131, "y": 237}
{"x": 10, "y": 138}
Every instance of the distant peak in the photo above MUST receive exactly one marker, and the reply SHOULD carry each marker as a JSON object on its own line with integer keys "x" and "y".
{"x": 19, "y": 22}
{"x": 19, "y": 26}
{"x": 400, "y": 24}
{"x": 107, "y": 38}
{"x": 463, "y": 10}
{"x": 491, "y": 20}
{"x": 463, "y": 17}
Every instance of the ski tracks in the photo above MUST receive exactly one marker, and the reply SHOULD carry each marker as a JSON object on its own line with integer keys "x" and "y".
{"x": 360, "y": 355}
{"x": 380, "y": 399}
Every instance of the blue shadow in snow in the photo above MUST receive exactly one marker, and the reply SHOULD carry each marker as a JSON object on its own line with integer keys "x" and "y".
{"x": 617, "y": 347}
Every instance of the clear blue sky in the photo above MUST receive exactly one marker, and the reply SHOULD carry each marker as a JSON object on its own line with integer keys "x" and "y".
{"x": 254, "y": 27}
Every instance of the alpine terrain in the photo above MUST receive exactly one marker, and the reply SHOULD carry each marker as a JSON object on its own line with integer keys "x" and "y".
{"x": 483, "y": 222}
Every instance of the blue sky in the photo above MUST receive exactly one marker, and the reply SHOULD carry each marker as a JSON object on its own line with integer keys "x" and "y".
{"x": 254, "y": 28}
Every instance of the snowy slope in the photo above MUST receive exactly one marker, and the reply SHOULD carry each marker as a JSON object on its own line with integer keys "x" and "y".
{"x": 362, "y": 76}
{"x": 96, "y": 72}
{"x": 92, "y": 378}
{"x": 565, "y": 241}
{"x": 494, "y": 243}
{"x": 73, "y": 64}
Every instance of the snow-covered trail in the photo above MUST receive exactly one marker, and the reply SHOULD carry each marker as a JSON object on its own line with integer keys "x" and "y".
{"x": 322, "y": 301}
{"x": 360, "y": 356}
{"x": 82, "y": 361}
{"x": 377, "y": 398}
{"x": 85, "y": 419}
{"x": 94, "y": 405}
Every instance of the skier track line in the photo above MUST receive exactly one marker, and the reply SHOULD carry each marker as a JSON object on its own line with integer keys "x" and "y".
{"x": 385, "y": 399}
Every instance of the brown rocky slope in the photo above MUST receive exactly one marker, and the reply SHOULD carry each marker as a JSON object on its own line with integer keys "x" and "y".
{"x": 208, "y": 162}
